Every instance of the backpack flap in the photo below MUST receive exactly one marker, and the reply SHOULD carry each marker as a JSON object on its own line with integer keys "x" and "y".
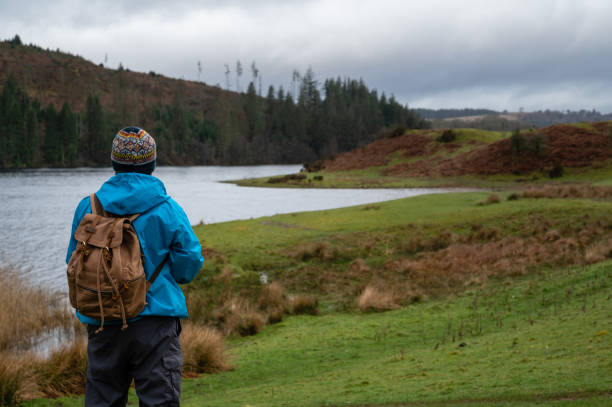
{"x": 100, "y": 231}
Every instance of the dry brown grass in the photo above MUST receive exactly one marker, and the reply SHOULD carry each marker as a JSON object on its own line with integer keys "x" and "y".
{"x": 64, "y": 372}
{"x": 203, "y": 350}
{"x": 599, "y": 251}
{"x": 273, "y": 301}
{"x": 570, "y": 191}
{"x": 320, "y": 250}
{"x": 238, "y": 316}
{"x": 225, "y": 276}
{"x": 13, "y": 378}
{"x": 475, "y": 262}
{"x": 272, "y": 296}
{"x": 359, "y": 266}
{"x": 491, "y": 199}
{"x": 304, "y": 304}
{"x": 375, "y": 298}
{"x": 27, "y": 311}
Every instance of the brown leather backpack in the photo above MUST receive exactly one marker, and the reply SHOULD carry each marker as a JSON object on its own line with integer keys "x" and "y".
{"x": 106, "y": 278}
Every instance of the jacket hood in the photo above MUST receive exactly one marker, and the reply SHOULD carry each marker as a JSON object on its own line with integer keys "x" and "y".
{"x": 130, "y": 192}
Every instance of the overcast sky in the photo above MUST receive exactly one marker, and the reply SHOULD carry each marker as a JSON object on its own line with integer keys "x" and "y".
{"x": 535, "y": 54}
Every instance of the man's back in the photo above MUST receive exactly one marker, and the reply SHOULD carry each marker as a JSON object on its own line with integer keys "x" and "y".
{"x": 148, "y": 351}
{"x": 162, "y": 228}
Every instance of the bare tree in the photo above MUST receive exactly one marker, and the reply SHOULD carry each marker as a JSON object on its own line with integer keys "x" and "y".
{"x": 255, "y": 73}
{"x": 259, "y": 78}
{"x": 238, "y": 74}
{"x": 227, "y": 76}
{"x": 294, "y": 82}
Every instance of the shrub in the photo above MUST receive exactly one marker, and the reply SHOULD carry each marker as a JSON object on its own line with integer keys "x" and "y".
{"x": 513, "y": 196}
{"x": 517, "y": 141}
{"x": 537, "y": 144}
{"x": 64, "y": 372}
{"x": 447, "y": 136}
{"x": 318, "y": 177}
{"x": 203, "y": 350}
{"x": 398, "y": 131}
{"x": 315, "y": 166}
{"x": 286, "y": 178}
{"x": 376, "y": 299}
{"x": 556, "y": 171}
{"x": 304, "y": 304}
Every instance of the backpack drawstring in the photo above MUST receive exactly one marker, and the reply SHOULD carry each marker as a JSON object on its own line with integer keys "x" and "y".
{"x": 100, "y": 296}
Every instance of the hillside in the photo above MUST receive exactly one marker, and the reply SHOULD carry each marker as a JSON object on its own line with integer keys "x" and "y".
{"x": 60, "y": 110}
{"x": 57, "y": 77}
{"x": 469, "y": 157}
{"x": 492, "y": 120}
{"x": 419, "y": 154}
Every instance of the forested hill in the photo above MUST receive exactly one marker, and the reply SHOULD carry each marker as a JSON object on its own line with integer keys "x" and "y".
{"x": 60, "y": 110}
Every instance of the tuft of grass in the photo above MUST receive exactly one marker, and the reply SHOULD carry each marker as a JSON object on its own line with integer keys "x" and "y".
{"x": 273, "y": 301}
{"x": 238, "y": 316}
{"x": 320, "y": 250}
{"x": 64, "y": 372}
{"x": 599, "y": 251}
{"x": 375, "y": 299}
{"x": 491, "y": 199}
{"x": 12, "y": 379}
{"x": 304, "y": 304}
{"x": 203, "y": 350}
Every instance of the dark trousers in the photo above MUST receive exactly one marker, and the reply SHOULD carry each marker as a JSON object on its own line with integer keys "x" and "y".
{"x": 148, "y": 351}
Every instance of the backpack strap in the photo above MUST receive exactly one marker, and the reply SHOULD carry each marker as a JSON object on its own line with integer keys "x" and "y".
{"x": 98, "y": 209}
{"x": 157, "y": 271}
{"x": 96, "y": 206}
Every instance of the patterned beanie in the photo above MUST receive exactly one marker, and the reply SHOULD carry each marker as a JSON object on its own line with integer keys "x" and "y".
{"x": 133, "y": 150}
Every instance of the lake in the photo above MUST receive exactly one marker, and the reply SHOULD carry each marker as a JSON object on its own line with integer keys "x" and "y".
{"x": 37, "y": 206}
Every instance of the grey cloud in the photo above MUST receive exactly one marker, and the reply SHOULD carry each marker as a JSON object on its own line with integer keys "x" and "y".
{"x": 440, "y": 53}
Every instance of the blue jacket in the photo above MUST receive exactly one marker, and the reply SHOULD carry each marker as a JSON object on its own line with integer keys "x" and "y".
{"x": 162, "y": 228}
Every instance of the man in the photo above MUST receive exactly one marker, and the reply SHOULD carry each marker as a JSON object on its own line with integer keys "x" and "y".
{"x": 148, "y": 351}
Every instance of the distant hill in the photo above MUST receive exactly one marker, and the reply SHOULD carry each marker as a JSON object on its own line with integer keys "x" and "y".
{"x": 486, "y": 119}
{"x": 435, "y": 153}
{"x": 452, "y": 113}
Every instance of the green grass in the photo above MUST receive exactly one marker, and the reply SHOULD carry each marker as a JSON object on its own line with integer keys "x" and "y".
{"x": 410, "y": 354}
{"x": 542, "y": 340}
{"x": 240, "y": 239}
{"x": 372, "y": 178}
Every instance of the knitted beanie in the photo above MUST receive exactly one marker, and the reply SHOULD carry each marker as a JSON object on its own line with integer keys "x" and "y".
{"x": 133, "y": 150}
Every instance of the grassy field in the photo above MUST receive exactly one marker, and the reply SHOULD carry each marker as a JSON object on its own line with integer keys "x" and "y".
{"x": 504, "y": 302}
{"x": 542, "y": 340}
